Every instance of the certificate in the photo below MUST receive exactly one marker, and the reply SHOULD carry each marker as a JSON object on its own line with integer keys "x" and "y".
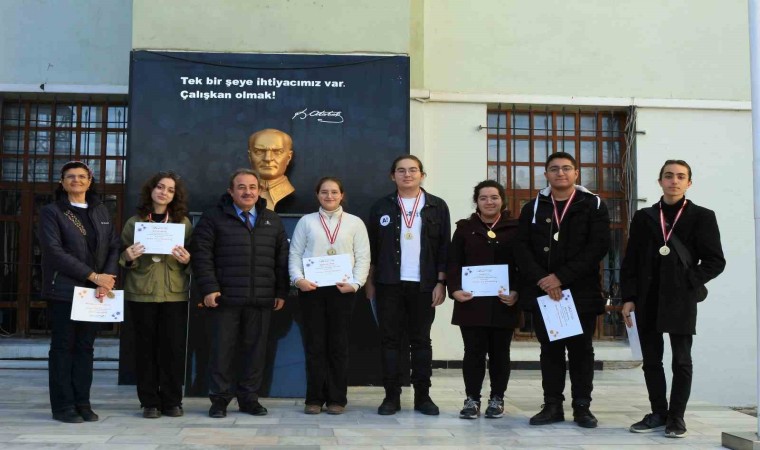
{"x": 486, "y": 281}
{"x": 328, "y": 270}
{"x": 560, "y": 317}
{"x": 159, "y": 238}
{"x": 633, "y": 338}
{"x": 85, "y": 307}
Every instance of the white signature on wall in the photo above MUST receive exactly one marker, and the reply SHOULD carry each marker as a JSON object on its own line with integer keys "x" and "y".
{"x": 322, "y": 116}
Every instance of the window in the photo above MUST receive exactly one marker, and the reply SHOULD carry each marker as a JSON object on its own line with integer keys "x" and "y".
{"x": 519, "y": 141}
{"x": 37, "y": 139}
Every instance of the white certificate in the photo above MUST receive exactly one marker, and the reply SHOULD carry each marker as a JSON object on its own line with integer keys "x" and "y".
{"x": 85, "y": 307}
{"x": 328, "y": 270}
{"x": 486, "y": 281}
{"x": 633, "y": 338}
{"x": 560, "y": 317}
{"x": 159, "y": 238}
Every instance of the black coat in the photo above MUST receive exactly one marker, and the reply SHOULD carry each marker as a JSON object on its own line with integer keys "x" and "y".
{"x": 384, "y": 230}
{"x": 66, "y": 258}
{"x": 249, "y": 268}
{"x": 574, "y": 259}
{"x": 679, "y": 286}
{"x": 470, "y": 246}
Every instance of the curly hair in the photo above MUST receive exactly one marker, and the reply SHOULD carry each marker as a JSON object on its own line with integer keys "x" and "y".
{"x": 177, "y": 209}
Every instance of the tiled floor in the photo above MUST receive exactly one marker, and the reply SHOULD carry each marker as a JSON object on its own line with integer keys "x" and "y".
{"x": 620, "y": 399}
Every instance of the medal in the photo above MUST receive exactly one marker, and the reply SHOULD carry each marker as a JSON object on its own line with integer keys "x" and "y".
{"x": 559, "y": 218}
{"x": 491, "y": 234}
{"x": 166, "y": 219}
{"x": 664, "y": 250}
{"x": 409, "y": 218}
{"x": 155, "y": 258}
{"x": 331, "y": 237}
{"x": 111, "y": 294}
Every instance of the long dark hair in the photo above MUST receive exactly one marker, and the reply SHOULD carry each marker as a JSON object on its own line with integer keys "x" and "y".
{"x": 177, "y": 209}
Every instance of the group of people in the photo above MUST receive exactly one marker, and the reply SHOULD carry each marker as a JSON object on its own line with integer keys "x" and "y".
{"x": 405, "y": 258}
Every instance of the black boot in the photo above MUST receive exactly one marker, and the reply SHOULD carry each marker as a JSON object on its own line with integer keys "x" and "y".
{"x": 550, "y": 413}
{"x": 423, "y": 403}
{"x": 391, "y": 403}
{"x": 582, "y": 414}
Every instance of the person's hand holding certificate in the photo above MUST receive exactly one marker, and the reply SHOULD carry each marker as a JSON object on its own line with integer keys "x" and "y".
{"x": 328, "y": 270}
{"x": 486, "y": 281}
{"x": 85, "y": 307}
{"x": 560, "y": 316}
{"x": 159, "y": 238}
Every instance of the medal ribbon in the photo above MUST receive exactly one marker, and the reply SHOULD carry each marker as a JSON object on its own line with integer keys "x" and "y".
{"x": 493, "y": 224}
{"x": 557, "y": 217}
{"x": 410, "y": 221}
{"x": 330, "y": 237}
{"x": 665, "y": 236}
{"x": 166, "y": 219}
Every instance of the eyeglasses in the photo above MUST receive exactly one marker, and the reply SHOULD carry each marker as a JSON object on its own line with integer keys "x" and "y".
{"x": 169, "y": 174}
{"x": 410, "y": 171}
{"x": 555, "y": 169}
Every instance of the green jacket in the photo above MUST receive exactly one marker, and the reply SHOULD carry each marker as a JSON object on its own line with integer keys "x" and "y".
{"x": 147, "y": 281}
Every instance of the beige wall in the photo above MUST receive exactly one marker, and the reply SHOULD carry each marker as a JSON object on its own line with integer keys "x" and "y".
{"x": 679, "y": 49}
{"x": 272, "y": 26}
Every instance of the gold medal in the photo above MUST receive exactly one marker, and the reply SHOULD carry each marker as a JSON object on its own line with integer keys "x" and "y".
{"x": 556, "y": 236}
{"x": 156, "y": 258}
{"x": 664, "y": 250}
{"x": 331, "y": 251}
{"x": 408, "y": 236}
{"x": 491, "y": 234}
{"x": 111, "y": 294}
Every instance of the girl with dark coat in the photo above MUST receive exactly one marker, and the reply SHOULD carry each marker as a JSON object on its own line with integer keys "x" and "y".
{"x": 673, "y": 250}
{"x": 486, "y": 323}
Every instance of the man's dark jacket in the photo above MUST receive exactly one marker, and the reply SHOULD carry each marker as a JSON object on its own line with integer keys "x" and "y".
{"x": 385, "y": 241}
{"x": 574, "y": 259}
{"x": 679, "y": 286}
{"x": 66, "y": 258}
{"x": 249, "y": 268}
{"x": 470, "y": 246}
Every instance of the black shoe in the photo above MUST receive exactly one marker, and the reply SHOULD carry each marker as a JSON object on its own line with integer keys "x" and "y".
{"x": 495, "y": 408}
{"x": 650, "y": 422}
{"x": 68, "y": 416}
{"x": 87, "y": 414}
{"x": 173, "y": 411}
{"x": 425, "y": 405}
{"x": 583, "y": 417}
{"x": 389, "y": 406}
{"x": 218, "y": 409}
{"x": 152, "y": 413}
{"x": 471, "y": 409}
{"x": 675, "y": 427}
{"x": 253, "y": 408}
{"x": 550, "y": 413}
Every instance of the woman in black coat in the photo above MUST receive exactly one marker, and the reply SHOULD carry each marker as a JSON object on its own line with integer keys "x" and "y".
{"x": 673, "y": 250}
{"x": 80, "y": 247}
{"x": 486, "y": 323}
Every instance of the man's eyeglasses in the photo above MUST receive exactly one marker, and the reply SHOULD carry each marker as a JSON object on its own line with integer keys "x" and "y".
{"x": 410, "y": 171}
{"x": 555, "y": 169}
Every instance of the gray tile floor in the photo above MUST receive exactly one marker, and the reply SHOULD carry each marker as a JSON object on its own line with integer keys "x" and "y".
{"x": 620, "y": 399}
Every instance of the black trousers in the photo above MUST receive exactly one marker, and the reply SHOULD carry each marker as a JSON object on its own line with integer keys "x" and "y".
{"x": 326, "y": 322}
{"x": 403, "y": 309}
{"x": 237, "y": 331}
{"x": 580, "y": 357}
{"x": 652, "y": 348}
{"x": 70, "y": 358}
{"x": 160, "y": 340}
{"x": 479, "y": 342}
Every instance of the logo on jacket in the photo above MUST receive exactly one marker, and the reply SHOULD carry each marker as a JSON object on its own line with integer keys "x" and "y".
{"x": 385, "y": 220}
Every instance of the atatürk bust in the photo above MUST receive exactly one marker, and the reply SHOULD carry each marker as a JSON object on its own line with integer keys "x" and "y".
{"x": 270, "y": 152}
